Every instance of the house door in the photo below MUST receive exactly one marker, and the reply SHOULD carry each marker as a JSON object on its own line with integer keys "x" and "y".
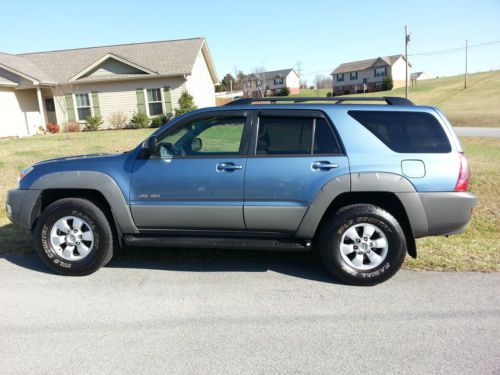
{"x": 51, "y": 110}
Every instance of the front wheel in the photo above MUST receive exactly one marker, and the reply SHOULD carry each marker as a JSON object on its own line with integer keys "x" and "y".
{"x": 362, "y": 244}
{"x": 73, "y": 237}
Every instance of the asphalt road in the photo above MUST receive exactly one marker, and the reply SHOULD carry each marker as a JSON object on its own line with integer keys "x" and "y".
{"x": 244, "y": 317}
{"x": 477, "y": 132}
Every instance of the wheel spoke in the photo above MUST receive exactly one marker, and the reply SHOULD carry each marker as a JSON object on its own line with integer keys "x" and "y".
{"x": 368, "y": 230}
{"x": 352, "y": 234}
{"x": 63, "y": 226}
{"x": 379, "y": 243}
{"x": 357, "y": 261}
{"x": 77, "y": 223}
{"x": 57, "y": 240}
{"x": 346, "y": 249}
{"x": 68, "y": 252}
{"x": 374, "y": 258}
{"x": 82, "y": 250}
{"x": 87, "y": 236}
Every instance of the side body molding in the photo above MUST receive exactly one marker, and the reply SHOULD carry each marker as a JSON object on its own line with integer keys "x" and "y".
{"x": 92, "y": 181}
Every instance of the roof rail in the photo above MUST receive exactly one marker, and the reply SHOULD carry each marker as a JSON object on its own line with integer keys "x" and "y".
{"x": 391, "y": 100}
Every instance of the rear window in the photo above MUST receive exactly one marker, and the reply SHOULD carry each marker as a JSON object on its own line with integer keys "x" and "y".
{"x": 405, "y": 132}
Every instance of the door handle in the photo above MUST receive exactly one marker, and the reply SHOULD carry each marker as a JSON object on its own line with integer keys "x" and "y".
{"x": 323, "y": 166}
{"x": 228, "y": 167}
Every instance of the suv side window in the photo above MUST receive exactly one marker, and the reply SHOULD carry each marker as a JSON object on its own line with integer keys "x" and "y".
{"x": 294, "y": 136}
{"x": 405, "y": 132}
{"x": 204, "y": 137}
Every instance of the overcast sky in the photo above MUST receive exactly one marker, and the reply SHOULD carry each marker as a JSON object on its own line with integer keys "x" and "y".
{"x": 272, "y": 34}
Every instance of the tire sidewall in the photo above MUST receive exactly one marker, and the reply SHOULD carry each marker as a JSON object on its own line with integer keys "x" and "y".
{"x": 49, "y": 255}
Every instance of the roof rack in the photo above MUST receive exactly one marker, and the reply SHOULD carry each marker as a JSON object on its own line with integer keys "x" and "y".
{"x": 390, "y": 100}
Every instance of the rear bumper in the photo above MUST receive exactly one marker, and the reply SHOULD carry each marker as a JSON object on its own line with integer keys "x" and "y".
{"x": 447, "y": 213}
{"x": 20, "y": 205}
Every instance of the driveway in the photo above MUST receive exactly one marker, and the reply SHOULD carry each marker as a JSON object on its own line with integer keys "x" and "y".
{"x": 477, "y": 132}
{"x": 238, "y": 316}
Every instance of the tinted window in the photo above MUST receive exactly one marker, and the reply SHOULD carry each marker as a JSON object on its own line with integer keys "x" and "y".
{"x": 406, "y": 132}
{"x": 324, "y": 140}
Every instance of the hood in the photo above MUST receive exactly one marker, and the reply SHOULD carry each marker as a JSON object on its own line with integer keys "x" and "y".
{"x": 77, "y": 157}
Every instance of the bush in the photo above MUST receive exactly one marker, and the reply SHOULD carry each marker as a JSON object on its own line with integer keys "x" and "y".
{"x": 71, "y": 127}
{"x": 329, "y": 94}
{"x": 285, "y": 91}
{"x": 139, "y": 120}
{"x": 93, "y": 123}
{"x": 53, "y": 128}
{"x": 118, "y": 120}
{"x": 388, "y": 84}
{"x": 158, "y": 121}
{"x": 186, "y": 104}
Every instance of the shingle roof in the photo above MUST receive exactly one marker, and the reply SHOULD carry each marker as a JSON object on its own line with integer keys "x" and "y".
{"x": 356, "y": 66}
{"x": 173, "y": 57}
{"x": 25, "y": 67}
{"x": 271, "y": 74}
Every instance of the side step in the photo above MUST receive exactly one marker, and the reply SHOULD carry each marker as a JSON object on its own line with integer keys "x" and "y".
{"x": 219, "y": 243}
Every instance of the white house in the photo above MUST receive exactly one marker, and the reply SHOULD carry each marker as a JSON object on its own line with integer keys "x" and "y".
{"x": 368, "y": 75}
{"x": 271, "y": 83}
{"x": 69, "y": 85}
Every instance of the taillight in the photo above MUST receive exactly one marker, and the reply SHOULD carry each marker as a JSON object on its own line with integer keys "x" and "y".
{"x": 463, "y": 175}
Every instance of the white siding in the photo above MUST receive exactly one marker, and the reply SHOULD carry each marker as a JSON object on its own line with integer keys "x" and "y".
{"x": 121, "y": 96}
{"x": 200, "y": 85}
{"x": 292, "y": 80}
{"x": 113, "y": 66}
{"x": 398, "y": 70}
{"x": 19, "y": 113}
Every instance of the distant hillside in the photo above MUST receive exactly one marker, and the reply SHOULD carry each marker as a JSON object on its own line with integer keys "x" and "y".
{"x": 478, "y": 105}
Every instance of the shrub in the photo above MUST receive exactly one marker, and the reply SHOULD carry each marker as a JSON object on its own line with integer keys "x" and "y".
{"x": 329, "y": 94}
{"x": 158, "y": 121}
{"x": 186, "y": 104}
{"x": 118, "y": 120}
{"x": 71, "y": 127}
{"x": 139, "y": 120}
{"x": 285, "y": 91}
{"x": 388, "y": 84}
{"x": 93, "y": 123}
{"x": 53, "y": 128}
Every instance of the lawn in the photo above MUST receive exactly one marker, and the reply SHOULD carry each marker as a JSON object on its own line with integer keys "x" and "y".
{"x": 478, "y": 105}
{"x": 478, "y": 249}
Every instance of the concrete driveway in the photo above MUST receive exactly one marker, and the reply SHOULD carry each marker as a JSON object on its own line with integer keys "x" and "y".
{"x": 238, "y": 316}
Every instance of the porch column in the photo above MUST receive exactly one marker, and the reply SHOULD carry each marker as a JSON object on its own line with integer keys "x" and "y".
{"x": 43, "y": 114}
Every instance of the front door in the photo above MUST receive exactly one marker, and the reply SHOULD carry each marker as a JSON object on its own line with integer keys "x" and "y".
{"x": 195, "y": 180}
{"x": 295, "y": 153}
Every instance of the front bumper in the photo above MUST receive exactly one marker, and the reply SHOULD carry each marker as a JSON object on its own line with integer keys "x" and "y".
{"x": 20, "y": 206}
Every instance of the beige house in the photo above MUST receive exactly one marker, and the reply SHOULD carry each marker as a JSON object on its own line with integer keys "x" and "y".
{"x": 70, "y": 85}
{"x": 368, "y": 75}
{"x": 271, "y": 83}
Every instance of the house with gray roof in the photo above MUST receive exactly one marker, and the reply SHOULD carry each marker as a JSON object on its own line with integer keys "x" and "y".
{"x": 270, "y": 83}
{"x": 67, "y": 86}
{"x": 368, "y": 75}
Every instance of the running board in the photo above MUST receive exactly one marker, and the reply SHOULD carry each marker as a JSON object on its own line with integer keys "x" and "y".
{"x": 219, "y": 243}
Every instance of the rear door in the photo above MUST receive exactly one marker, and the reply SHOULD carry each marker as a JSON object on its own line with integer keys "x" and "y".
{"x": 292, "y": 154}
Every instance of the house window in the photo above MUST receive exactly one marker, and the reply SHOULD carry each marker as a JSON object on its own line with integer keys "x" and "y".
{"x": 380, "y": 72}
{"x": 155, "y": 105}
{"x": 49, "y": 104}
{"x": 258, "y": 83}
{"x": 278, "y": 81}
{"x": 354, "y": 76}
{"x": 340, "y": 77}
{"x": 83, "y": 106}
{"x": 249, "y": 83}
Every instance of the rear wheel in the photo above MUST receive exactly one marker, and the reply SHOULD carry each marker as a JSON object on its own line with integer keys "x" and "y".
{"x": 73, "y": 237}
{"x": 362, "y": 244}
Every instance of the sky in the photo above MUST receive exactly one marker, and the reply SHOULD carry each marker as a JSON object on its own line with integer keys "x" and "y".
{"x": 311, "y": 36}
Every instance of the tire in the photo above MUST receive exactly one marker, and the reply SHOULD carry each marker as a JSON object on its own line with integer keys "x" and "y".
{"x": 360, "y": 257}
{"x": 83, "y": 233}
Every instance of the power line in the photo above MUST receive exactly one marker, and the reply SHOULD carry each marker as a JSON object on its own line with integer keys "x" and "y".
{"x": 443, "y": 51}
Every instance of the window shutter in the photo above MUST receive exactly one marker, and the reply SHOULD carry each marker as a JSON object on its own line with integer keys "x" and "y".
{"x": 95, "y": 104}
{"x": 70, "y": 107}
{"x": 141, "y": 104}
{"x": 167, "y": 97}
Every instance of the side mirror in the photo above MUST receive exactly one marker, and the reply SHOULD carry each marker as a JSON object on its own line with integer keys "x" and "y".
{"x": 151, "y": 145}
{"x": 196, "y": 144}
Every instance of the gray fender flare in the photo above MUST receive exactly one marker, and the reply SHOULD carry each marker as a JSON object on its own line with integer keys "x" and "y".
{"x": 92, "y": 181}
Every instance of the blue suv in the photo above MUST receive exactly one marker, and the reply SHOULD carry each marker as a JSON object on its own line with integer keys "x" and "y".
{"x": 356, "y": 181}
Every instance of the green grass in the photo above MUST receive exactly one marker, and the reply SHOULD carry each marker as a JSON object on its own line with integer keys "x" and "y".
{"x": 478, "y": 105}
{"x": 478, "y": 249}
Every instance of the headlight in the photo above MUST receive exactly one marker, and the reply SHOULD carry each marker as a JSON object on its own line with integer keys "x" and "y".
{"x": 24, "y": 172}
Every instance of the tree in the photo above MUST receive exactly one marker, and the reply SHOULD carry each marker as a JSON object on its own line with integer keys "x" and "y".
{"x": 260, "y": 76}
{"x": 387, "y": 83}
{"x": 321, "y": 81}
{"x": 186, "y": 104}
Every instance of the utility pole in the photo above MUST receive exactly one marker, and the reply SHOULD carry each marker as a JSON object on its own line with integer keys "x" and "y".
{"x": 407, "y": 40}
{"x": 231, "y": 86}
{"x": 299, "y": 70}
{"x": 466, "y": 45}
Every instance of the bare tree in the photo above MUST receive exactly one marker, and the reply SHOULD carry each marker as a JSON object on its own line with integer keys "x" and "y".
{"x": 322, "y": 81}
{"x": 59, "y": 93}
{"x": 260, "y": 83}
